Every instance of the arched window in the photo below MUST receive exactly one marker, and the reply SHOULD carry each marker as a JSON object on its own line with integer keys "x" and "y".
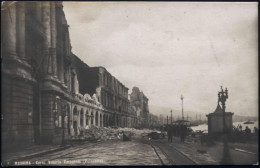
{"x": 87, "y": 117}
{"x": 100, "y": 120}
{"x": 96, "y": 118}
{"x": 104, "y": 120}
{"x": 75, "y": 111}
{"x": 81, "y": 117}
{"x": 92, "y": 118}
{"x": 75, "y": 122}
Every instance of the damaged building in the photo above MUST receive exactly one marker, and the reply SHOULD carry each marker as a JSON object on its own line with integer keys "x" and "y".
{"x": 139, "y": 103}
{"x": 48, "y": 94}
{"x": 154, "y": 121}
{"x": 109, "y": 91}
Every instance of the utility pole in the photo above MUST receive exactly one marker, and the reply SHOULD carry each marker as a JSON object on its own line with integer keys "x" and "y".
{"x": 182, "y": 106}
{"x": 200, "y": 118}
{"x": 167, "y": 120}
{"x": 171, "y": 117}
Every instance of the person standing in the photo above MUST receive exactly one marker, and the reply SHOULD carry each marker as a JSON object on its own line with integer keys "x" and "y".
{"x": 248, "y": 133}
{"x": 183, "y": 132}
{"x": 171, "y": 133}
{"x": 168, "y": 132}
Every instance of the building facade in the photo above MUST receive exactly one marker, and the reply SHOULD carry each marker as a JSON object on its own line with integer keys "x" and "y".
{"x": 139, "y": 102}
{"x": 110, "y": 92}
{"x": 154, "y": 121}
{"x": 132, "y": 117}
{"x": 41, "y": 99}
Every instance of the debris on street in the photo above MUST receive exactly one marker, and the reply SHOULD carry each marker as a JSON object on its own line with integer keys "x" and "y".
{"x": 96, "y": 134}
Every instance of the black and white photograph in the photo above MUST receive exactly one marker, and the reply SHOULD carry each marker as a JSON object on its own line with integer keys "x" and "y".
{"x": 129, "y": 83}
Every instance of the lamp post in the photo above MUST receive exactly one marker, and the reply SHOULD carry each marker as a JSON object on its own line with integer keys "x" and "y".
{"x": 182, "y": 106}
{"x": 226, "y": 159}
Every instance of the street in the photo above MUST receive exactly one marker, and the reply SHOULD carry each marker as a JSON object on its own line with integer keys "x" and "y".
{"x": 102, "y": 153}
{"x": 142, "y": 151}
{"x": 139, "y": 151}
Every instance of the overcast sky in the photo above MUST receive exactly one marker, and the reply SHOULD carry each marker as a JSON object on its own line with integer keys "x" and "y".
{"x": 172, "y": 48}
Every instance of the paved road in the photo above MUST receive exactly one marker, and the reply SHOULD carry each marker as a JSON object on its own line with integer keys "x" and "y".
{"x": 103, "y": 153}
{"x": 135, "y": 152}
{"x": 140, "y": 151}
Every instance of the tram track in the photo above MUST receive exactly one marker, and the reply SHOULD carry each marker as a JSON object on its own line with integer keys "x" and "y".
{"x": 165, "y": 154}
{"x": 157, "y": 146}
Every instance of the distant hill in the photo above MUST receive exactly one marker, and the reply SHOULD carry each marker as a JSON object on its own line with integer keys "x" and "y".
{"x": 157, "y": 110}
{"x": 238, "y": 118}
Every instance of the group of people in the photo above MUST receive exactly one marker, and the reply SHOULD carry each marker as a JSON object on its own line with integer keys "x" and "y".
{"x": 243, "y": 135}
{"x": 177, "y": 131}
{"x": 247, "y": 129}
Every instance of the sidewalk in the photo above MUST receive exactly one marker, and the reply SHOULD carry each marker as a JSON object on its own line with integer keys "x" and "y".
{"x": 212, "y": 155}
{"x": 33, "y": 151}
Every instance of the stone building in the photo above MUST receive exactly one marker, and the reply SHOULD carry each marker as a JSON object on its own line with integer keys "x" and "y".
{"x": 110, "y": 92}
{"x": 215, "y": 121}
{"x": 154, "y": 121}
{"x": 132, "y": 117}
{"x": 42, "y": 100}
{"x": 140, "y": 104}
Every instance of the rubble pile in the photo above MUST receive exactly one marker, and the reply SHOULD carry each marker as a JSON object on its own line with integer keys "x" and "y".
{"x": 95, "y": 133}
{"x": 137, "y": 132}
{"x": 101, "y": 134}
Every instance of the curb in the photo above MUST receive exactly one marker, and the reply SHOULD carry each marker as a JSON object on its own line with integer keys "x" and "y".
{"x": 162, "y": 156}
{"x": 32, "y": 155}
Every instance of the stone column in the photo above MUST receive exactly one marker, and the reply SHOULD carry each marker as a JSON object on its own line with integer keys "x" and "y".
{"x": 39, "y": 11}
{"x": 94, "y": 118}
{"x": 98, "y": 124}
{"x": 20, "y": 9}
{"x": 8, "y": 19}
{"x": 47, "y": 66}
{"x": 53, "y": 37}
{"x": 78, "y": 114}
{"x": 84, "y": 118}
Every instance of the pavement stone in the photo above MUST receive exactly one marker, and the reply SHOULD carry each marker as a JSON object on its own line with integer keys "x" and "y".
{"x": 101, "y": 153}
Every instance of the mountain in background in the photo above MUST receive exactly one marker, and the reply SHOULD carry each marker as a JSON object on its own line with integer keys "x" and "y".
{"x": 158, "y": 110}
{"x": 238, "y": 118}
